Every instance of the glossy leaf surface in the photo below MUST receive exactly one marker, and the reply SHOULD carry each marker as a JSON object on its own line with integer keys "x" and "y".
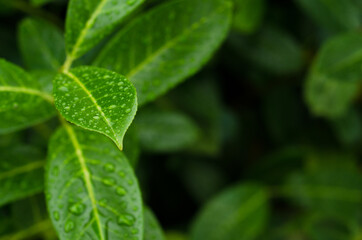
{"x": 241, "y": 214}
{"x": 21, "y": 173}
{"x": 96, "y": 99}
{"x": 89, "y": 21}
{"x": 22, "y": 103}
{"x": 42, "y": 45}
{"x": 92, "y": 192}
{"x": 167, "y": 45}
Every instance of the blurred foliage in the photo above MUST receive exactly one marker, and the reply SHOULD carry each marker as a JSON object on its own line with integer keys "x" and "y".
{"x": 263, "y": 143}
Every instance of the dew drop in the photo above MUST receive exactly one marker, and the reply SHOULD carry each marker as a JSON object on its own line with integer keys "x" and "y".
{"x": 55, "y": 171}
{"x": 63, "y": 89}
{"x": 128, "y": 110}
{"x": 109, "y": 167}
{"x": 108, "y": 181}
{"x": 69, "y": 226}
{"x": 56, "y": 215}
{"x": 121, "y": 174}
{"x": 112, "y": 106}
{"x": 96, "y": 117}
{"x": 121, "y": 191}
{"x": 131, "y": 2}
{"x": 77, "y": 208}
{"x": 126, "y": 220}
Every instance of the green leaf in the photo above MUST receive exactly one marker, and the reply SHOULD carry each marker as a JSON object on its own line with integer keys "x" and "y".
{"x": 165, "y": 46}
{"x": 132, "y": 146}
{"x": 335, "y": 15}
{"x": 152, "y": 229}
{"x": 332, "y": 186}
{"x": 89, "y": 21}
{"x": 328, "y": 97}
{"x": 348, "y": 128}
{"x": 41, "y": 44}
{"x": 45, "y": 79}
{"x": 340, "y": 58}
{"x": 204, "y": 91}
{"x": 333, "y": 81}
{"x": 96, "y": 99}
{"x": 165, "y": 131}
{"x": 272, "y": 50}
{"x": 238, "y": 213}
{"x": 22, "y": 103}
{"x": 21, "y": 173}
{"x": 92, "y": 192}
{"x": 248, "y": 15}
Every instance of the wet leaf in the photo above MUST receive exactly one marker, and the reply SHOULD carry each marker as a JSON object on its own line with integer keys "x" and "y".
{"x": 91, "y": 189}
{"x": 165, "y": 46}
{"x": 96, "y": 99}
{"x": 22, "y": 103}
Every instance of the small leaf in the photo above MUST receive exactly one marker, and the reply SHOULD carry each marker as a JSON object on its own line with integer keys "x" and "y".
{"x": 89, "y": 21}
{"x": 152, "y": 229}
{"x": 167, "y": 45}
{"x": 92, "y": 192}
{"x": 239, "y": 213}
{"x": 333, "y": 81}
{"x": 248, "y": 15}
{"x": 22, "y": 103}
{"x": 335, "y": 15}
{"x": 41, "y": 44}
{"x": 96, "y": 99}
{"x": 21, "y": 173}
{"x": 165, "y": 131}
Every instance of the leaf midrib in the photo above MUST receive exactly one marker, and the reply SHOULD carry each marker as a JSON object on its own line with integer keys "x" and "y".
{"x": 173, "y": 41}
{"x": 99, "y": 108}
{"x": 30, "y": 91}
{"x": 22, "y": 169}
{"x": 86, "y": 176}
{"x": 85, "y": 30}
